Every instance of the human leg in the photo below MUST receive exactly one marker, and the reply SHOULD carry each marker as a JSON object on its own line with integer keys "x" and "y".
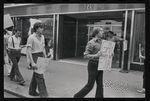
{"x": 99, "y": 81}
{"x": 12, "y": 73}
{"x": 41, "y": 85}
{"x": 7, "y": 64}
{"x": 92, "y": 73}
{"x": 17, "y": 72}
{"x": 33, "y": 86}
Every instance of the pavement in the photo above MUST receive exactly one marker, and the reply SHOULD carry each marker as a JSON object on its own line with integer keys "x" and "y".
{"x": 64, "y": 79}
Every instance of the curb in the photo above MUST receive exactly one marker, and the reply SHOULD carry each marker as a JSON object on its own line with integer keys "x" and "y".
{"x": 15, "y": 94}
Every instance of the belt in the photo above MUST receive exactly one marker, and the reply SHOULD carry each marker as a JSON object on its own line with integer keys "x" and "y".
{"x": 96, "y": 61}
{"x": 14, "y": 49}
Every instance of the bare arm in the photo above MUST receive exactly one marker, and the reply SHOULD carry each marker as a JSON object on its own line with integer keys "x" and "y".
{"x": 119, "y": 39}
{"x": 30, "y": 55}
{"x": 44, "y": 52}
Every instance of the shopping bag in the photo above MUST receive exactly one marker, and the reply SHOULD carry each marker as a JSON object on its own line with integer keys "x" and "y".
{"x": 42, "y": 64}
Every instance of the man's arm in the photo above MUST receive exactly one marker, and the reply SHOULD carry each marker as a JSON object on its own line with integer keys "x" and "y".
{"x": 30, "y": 55}
{"x": 29, "y": 51}
{"x": 88, "y": 50}
{"x": 44, "y": 52}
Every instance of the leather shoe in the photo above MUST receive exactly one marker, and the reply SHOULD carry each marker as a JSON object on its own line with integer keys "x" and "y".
{"x": 13, "y": 79}
{"x": 22, "y": 82}
{"x": 35, "y": 94}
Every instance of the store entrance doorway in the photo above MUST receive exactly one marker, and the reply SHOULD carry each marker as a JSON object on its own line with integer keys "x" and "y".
{"x": 79, "y": 29}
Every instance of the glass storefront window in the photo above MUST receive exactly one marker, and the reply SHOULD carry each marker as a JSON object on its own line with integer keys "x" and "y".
{"x": 27, "y": 25}
{"x": 139, "y": 34}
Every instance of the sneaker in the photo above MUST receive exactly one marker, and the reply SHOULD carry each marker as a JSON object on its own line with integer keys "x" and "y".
{"x": 35, "y": 94}
{"x": 141, "y": 91}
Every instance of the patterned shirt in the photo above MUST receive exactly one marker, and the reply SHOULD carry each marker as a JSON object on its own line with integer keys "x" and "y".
{"x": 93, "y": 46}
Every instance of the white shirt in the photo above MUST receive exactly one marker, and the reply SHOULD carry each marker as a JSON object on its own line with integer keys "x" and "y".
{"x": 16, "y": 42}
{"x": 35, "y": 44}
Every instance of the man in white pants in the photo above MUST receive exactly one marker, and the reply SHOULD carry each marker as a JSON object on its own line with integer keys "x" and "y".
{"x": 7, "y": 61}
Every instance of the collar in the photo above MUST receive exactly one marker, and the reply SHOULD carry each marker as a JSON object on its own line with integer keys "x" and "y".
{"x": 15, "y": 36}
{"x": 97, "y": 40}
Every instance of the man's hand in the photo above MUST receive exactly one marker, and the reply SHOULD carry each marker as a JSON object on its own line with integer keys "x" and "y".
{"x": 34, "y": 66}
{"x": 99, "y": 53}
{"x": 142, "y": 57}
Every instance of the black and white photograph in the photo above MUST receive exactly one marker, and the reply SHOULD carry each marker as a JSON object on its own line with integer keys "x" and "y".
{"x": 74, "y": 50}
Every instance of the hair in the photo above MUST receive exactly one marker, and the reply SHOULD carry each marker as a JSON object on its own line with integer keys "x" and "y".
{"x": 105, "y": 35}
{"x": 111, "y": 32}
{"x": 32, "y": 30}
{"x": 37, "y": 25}
{"x": 95, "y": 31}
{"x": 15, "y": 30}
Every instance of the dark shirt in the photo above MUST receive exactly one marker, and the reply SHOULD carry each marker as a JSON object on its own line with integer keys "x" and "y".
{"x": 93, "y": 46}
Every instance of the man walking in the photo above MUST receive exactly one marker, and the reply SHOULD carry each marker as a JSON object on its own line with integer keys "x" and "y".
{"x": 36, "y": 48}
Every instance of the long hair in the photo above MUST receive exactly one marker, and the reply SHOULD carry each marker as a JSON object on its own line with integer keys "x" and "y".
{"x": 95, "y": 31}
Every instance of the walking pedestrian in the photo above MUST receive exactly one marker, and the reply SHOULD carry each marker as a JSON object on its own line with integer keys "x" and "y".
{"x": 112, "y": 37}
{"x": 7, "y": 61}
{"x": 50, "y": 45}
{"x": 36, "y": 48}
{"x": 143, "y": 57}
{"x": 92, "y": 52}
{"x": 14, "y": 52}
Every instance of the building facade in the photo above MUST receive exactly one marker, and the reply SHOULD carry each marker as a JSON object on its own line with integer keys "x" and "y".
{"x": 70, "y": 26}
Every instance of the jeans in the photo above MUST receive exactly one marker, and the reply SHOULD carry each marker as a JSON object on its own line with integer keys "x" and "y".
{"x": 93, "y": 75}
{"x": 15, "y": 57}
{"x": 38, "y": 80}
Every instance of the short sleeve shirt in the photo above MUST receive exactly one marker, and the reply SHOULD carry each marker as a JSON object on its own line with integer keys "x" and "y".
{"x": 36, "y": 44}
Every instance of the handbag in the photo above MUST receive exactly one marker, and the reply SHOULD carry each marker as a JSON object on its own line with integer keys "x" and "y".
{"x": 13, "y": 51}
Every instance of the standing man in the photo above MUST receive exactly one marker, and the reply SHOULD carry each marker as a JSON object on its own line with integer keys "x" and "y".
{"x": 36, "y": 48}
{"x": 92, "y": 52}
{"x": 14, "y": 51}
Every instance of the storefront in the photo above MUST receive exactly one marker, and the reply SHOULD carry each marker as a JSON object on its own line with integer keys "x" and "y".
{"x": 70, "y": 26}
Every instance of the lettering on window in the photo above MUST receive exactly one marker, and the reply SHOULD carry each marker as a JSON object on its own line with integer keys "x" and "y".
{"x": 48, "y": 9}
{"x": 34, "y": 10}
{"x": 89, "y": 6}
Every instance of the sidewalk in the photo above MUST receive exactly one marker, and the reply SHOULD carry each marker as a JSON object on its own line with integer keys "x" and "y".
{"x": 63, "y": 80}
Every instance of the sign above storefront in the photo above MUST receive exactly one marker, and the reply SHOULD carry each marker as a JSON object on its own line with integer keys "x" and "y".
{"x": 66, "y": 8}
{"x": 89, "y": 6}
